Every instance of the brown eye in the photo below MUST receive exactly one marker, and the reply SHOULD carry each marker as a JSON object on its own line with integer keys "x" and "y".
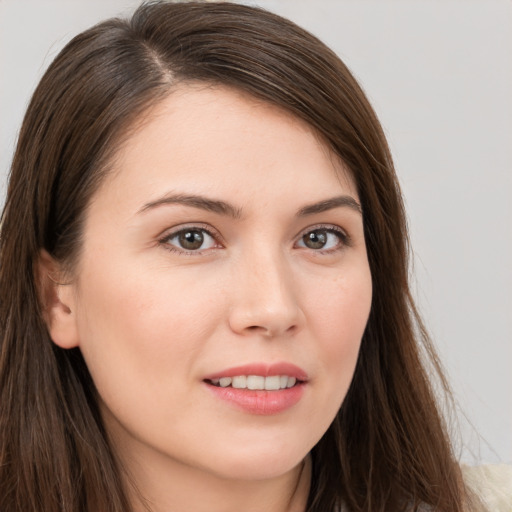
{"x": 190, "y": 239}
{"x": 329, "y": 239}
{"x": 315, "y": 239}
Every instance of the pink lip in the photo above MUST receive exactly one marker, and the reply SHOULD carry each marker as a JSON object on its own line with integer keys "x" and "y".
{"x": 263, "y": 369}
{"x": 260, "y": 402}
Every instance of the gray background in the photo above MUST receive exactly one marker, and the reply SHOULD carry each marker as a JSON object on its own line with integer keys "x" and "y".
{"x": 439, "y": 75}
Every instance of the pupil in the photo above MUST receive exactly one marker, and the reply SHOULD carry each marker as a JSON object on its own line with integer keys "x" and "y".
{"x": 191, "y": 239}
{"x": 315, "y": 239}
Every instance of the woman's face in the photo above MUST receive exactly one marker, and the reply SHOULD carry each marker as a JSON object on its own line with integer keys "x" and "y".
{"x": 224, "y": 252}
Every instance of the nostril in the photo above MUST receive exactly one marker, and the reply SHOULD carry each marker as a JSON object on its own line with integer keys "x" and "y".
{"x": 269, "y": 331}
{"x": 265, "y": 331}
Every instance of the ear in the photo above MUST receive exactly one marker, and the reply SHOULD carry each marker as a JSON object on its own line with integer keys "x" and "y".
{"x": 58, "y": 302}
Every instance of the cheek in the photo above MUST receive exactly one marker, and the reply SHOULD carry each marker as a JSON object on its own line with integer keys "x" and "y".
{"x": 339, "y": 319}
{"x": 344, "y": 304}
{"x": 135, "y": 328}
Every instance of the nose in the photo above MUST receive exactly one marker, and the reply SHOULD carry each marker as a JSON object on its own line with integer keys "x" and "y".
{"x": 265, "y": 299}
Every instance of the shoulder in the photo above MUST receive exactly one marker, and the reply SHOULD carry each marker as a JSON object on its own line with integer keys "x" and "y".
{"x": 492, "y": 483}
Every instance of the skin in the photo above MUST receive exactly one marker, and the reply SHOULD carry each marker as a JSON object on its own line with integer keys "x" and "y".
{"x": 153, "y": 319}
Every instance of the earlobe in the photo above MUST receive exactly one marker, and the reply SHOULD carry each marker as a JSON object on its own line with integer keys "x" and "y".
{"x": 57, "y": 302}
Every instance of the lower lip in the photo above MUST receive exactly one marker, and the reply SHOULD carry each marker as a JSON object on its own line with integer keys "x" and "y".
{"x": 260, "y": 402}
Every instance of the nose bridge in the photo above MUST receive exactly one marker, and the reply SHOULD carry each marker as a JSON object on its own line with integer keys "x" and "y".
{"x": 265, "y": 300}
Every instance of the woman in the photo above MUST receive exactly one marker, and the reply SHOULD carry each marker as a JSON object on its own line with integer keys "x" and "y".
{"x": 204, "y": 282}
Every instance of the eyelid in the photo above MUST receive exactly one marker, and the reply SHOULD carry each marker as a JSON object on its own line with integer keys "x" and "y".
{"x": 345, "y": 240}
{"x": 163, "y": 240}
{"x": 199, "y": 226}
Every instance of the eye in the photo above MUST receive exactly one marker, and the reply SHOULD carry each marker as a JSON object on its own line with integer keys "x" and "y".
{"x": 191, "y": 239}
{"x": 323, "y": 239}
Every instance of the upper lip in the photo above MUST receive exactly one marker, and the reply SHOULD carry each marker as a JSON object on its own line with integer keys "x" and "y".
{"x": 263, "y": 369}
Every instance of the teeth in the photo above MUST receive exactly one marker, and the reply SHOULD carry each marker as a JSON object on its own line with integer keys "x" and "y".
{"x": 224, "y": 382}
{"x": 240, "y": 382}
{"x": 272, "y": 383}
{"x": 291, "y": 382}
{"x": 256, "y": 382}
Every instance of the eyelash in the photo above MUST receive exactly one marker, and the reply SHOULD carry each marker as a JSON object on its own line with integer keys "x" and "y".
{"x": 164, "y": 241}
{"x": 344, "y": 239}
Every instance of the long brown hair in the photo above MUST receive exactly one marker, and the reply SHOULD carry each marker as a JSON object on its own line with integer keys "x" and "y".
{"x": 387, "y": 448}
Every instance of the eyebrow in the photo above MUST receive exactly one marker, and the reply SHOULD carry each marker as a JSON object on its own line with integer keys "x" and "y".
{"x": 329, "y": 204}
{"x": 204, "y": 203}
{"x": 227, "y": 209}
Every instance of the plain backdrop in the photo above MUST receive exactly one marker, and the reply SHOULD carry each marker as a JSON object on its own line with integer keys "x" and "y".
{"x": 439, "y": 75}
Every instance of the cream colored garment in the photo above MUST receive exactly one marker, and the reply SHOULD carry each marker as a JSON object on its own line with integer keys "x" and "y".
{"x": 492, "y": 483}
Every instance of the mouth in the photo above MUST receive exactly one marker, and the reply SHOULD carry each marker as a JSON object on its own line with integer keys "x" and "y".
{"x": 259, "y": 388}
{"x": 255, "y": 382}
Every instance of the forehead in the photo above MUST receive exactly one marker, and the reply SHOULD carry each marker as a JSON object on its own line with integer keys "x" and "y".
{"x": 221, "y": 140}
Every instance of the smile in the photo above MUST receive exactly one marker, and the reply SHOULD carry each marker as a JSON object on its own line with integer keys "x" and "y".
{"x": 255, "y": 382}
{"x": 259, "y": 388}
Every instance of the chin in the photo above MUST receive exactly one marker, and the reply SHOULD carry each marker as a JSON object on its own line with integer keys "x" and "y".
{"x": 259, "y": 461}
